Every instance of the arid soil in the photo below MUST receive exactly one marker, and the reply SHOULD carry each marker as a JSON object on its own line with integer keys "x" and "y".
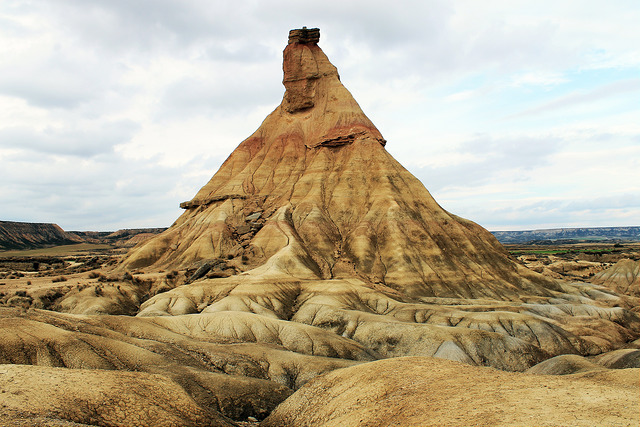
{"x": 415, "y": 391}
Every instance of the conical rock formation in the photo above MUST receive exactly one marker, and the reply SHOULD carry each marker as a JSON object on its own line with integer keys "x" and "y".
{"x": 313, "y": 194}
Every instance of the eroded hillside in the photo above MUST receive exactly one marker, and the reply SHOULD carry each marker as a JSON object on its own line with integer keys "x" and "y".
{"x": 310, "y": 262}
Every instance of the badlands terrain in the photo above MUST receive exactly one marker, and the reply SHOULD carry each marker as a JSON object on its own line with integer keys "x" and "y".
{"x": 313, "y": 281}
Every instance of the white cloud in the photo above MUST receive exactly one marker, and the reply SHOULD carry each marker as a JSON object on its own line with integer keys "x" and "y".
{"x": 585, "y": 97}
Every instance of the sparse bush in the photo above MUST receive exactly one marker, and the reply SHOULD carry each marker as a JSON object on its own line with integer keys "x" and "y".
{"x": 59, "y": 279}
{"x": 94, "y": 275}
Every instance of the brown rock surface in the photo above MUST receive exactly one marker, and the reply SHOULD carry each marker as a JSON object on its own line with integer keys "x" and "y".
{"x": 417, "y": 391}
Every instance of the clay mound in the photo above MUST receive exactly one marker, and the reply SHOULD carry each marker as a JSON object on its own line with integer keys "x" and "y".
{"x": 36, "y": 395}
{"x": 564, "y": 365}
{"x": 571, "y": 364}
{"x": 623, "y": 277}
{"x": 620, "y": 359}
{"x": 417, "y": 391}
{"x": 313, "y": 194}
{"x": 104, "y": 298}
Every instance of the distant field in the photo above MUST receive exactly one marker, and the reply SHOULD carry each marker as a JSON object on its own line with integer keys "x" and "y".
{"x": 63, "y": 250}
{"x": 562, "y": 251}
{"x": 606, "y": 248}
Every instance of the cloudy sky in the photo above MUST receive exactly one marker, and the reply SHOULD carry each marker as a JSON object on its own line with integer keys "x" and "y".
{"x": 514, "y": 114}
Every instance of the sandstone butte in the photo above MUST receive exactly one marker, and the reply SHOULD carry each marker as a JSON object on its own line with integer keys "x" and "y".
{"x": 325, "y": 287}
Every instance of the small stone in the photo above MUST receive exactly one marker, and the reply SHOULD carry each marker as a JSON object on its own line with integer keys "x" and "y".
{"x": 243, "y": 229}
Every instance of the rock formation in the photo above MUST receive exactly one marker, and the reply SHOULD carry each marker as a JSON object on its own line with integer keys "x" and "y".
{"x": 328, "y": 230}
{"x": 313, "y": 194}
{"x": 311, "y": 250}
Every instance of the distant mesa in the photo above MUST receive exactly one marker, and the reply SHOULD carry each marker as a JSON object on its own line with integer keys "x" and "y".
{"x": 30, "y": 235}
{"x": 570, "y": 235}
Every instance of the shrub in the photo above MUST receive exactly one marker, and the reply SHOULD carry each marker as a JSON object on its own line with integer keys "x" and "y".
{"x": 59, "y": 279}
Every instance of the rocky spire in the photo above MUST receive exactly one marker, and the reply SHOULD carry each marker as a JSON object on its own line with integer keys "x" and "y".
{"x": 333, "y": 203}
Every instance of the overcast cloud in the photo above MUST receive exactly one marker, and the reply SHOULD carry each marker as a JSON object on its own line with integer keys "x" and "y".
{"x": 516, "y": 115}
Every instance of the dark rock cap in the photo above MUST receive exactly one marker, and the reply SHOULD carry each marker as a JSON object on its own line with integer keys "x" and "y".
{"x": 305, "y": 35}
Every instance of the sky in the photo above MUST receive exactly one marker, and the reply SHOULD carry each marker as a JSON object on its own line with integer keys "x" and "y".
{"x": 514, "y": 114}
